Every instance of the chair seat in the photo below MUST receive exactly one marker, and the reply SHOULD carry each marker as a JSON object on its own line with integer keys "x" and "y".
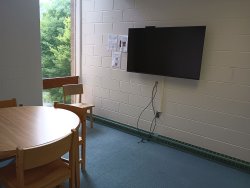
{"x": 41, "y": 176}
{"x": 83, "y": 105}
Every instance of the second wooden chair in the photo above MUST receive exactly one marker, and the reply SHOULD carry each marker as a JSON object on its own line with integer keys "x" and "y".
{"x": 77, "y": 89}
{"x": 81, "y": 113}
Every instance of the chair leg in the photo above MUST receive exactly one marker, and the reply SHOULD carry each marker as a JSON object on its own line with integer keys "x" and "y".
{"x": 60, "y": 186}
{"x": 72, "y": 183}
{"x": 77, "y": 174}
{"x": 83, "y": 150}
{"x": 82, "y": 159}
{"x": 91, "y": 117}
{"x": 83, "y": 145}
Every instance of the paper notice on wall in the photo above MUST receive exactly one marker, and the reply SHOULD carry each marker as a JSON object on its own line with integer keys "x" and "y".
{"x": 116, "y": 60}
{"x": 112, "y": 42}
{"x": 122, "y": 43}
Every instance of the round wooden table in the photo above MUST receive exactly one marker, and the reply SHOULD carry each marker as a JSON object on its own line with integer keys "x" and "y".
{"x": 30, "y": 126}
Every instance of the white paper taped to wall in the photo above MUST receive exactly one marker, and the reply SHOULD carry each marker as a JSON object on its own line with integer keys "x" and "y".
{"x": 122, "y": 43}
{"x": 116, "y": 59}
{"x": 112, "y": 42}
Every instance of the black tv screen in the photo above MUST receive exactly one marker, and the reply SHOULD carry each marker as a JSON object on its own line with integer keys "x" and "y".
{"x": 167, "y": 51}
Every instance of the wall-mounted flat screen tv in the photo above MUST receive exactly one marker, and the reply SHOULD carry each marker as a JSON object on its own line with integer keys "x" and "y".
{"x": 167, "y": 51}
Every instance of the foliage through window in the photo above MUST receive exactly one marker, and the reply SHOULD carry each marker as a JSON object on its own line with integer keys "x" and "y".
{"x": 55, "y": 23}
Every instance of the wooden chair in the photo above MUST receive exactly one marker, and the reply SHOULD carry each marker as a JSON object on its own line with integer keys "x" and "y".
{"x": 5, "y": 104}
{"x": 42, "y": 166}
{"x": 8, "y": 103}
{"x": 81, "y": 113}
{"x": 77, "y": 89}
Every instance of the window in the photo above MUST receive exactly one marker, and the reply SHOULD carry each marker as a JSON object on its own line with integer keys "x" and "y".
{"x": 56, "y": 43}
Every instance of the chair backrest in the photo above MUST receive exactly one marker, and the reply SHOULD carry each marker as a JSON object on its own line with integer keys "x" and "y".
{"x": 57, "y": 82}
{"x": 44, "y": 154}
{"x": 8, "y": 103}
{"x": 72, "y": 89}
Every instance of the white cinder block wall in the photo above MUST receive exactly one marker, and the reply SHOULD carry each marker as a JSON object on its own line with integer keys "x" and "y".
{"x": 20, "y": 58}
{"x": 212, "y": 113}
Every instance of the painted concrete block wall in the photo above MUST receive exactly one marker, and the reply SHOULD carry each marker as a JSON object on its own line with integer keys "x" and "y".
{"x": 20, "y": 61}
{"x": 212, "y": 113}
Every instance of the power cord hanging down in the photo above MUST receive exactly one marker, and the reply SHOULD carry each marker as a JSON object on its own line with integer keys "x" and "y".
{"x": 155, "y": 116}
{"x": 154, "y": 91}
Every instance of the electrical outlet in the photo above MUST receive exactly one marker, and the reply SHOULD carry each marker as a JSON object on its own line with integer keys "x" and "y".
{"x": 157, "y": 114}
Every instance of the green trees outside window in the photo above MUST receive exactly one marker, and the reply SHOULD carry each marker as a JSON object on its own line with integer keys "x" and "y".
{"x": 55, "y": 28}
